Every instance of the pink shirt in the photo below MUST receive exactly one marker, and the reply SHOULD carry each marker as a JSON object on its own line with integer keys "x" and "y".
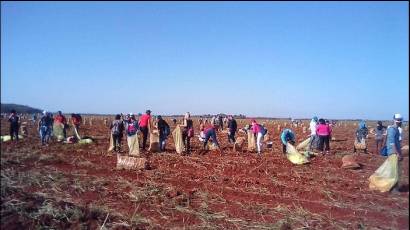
{"x": 144, "y": 119}
{"x": 255, "y": 128}
{"x": 323, "y": 130}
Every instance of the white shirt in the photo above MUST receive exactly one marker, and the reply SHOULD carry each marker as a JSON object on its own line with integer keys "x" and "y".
{"x": 400, "y": 131}
{"x": 312, "y": 127}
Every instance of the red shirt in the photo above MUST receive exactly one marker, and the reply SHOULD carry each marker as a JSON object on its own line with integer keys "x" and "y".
{"x": 144, "y": 119}
{"x": 60, "y": 119}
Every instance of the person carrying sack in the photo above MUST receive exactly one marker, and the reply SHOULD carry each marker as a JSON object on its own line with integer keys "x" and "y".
{"x": 287, "y": 136}
{"x": 145, "y": 125}
{"x": 187, "y": 132}
{"x": 131, "y": 127}
{"x": 164, "y": 131}
{"x": 117, "y": 128}
{"x": 361, "y": 135}
{"x": 44, "y": 127}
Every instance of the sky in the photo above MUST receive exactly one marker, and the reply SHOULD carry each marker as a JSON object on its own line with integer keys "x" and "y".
{"x": 337, "y": 60}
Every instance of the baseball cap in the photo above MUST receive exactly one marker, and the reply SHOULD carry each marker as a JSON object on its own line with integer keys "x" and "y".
{"x": 397, "y": 117}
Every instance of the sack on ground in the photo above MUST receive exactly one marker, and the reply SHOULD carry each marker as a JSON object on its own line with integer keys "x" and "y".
{"x": 239, "y": 143}
{"x": 386, "y": 176}
{"x": 294, "y": 156}
{"x": 154, "y": 142}
{"x": 179, "y": 143}
{"x": 349, "y": 162}
{"x": 6, "y": 138}
{"x": 133, "y": 145}
{"x": 251, "y": 142}
{"x": 303, "y": 145}
{"x": 85, "y": 141}
{"x": 126, "y": 162}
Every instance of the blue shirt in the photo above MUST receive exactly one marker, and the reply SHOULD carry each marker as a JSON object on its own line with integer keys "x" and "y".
{"x": 392, "y": 138}
{"x": 287, "y": 135}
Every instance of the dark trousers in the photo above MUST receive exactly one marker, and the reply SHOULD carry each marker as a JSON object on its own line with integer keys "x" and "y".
{"x": 144, "y": 131}
{"x": 324, "y": 143}
{"x": 117, "y": 142}
{"x": 283, "y": 148}
{"x": 187, "y": 140}
{"x": 231, "y": 136}
{"x": 14, "y": 131}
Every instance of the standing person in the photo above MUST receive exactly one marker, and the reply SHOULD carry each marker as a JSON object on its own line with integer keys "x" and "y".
{"x": 259, "y": 132}
{"x": 164, "y": 131}
{"x": 14, "y": 125}
{"x": 232, "y": 127}
{"x": 131, "y": 128}
{"x": 76, "y": 120}
{"x": 187, "y": 132}
{"x": 44, "y": 127}
{"x": 393, "y": 144}
{"x": 380, "y": 132}
{"x": 220, "y": 122}
{"x": 361, "y": 135}
{"x": 34, "y": 117}
{"x": 174, "y": 121}
{"x": 324, "y": 132}
{"x": 117, "y": 127}
{"x": 145, "y": 125}
{"x": 313, "y": 136}
{"x": 206, "y": 133}
{"x": 60, "y": 119}
{"x": 287, "y": 136}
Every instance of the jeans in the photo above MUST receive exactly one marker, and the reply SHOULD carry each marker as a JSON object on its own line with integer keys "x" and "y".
{"x": 117, "y": 142}
{"x": 324, "y": 143}
{"x": 162, "y": 142}
{"x": 45, "y": 133}
{"x": 210, "y": 134}
{"x": 14, "y": 131}
{"x": 259, "y": 138}
{"x": 187, "y": 140}
{"x": 144, "y": 131}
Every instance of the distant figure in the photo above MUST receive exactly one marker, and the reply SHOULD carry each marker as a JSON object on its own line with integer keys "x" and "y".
{"x": 164, "y": 131}
{"x": 232, "y": 127}
{"x": 117, "y": 127}
{"x": 44, "y": 127}
{"x": 220, "y": 122}
{"x": 145, "y": 125}
{"x": 60, "y": 118}
{"x": 313, "y": 136}
{"x": 259, "y": 132}
{"x": 14, "y": 125}
{"x": 200, "y": 120}
{"x": 380, "y": 133}
{"x": 76, "y": 120}
{"x": 361, "y": 135}
{"x": 131, "y": 129}
{"x": 34, "y": 117}
{"x": 214, "y": 123}
{"x": 287, "y": 136}
{"x": 324, "y": 132}
{"x": 174, "y": 121}
{"x": 187, "y": 132}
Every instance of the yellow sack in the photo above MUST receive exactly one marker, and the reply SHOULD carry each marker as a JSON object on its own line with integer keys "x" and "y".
{"x": 386, "y": 176}
{"x": 133, "y": 145}
{"x": 251, "y": 141}
{"x": 8, "y": 138}
{"x": 85, "y": 141}
{"x": 111, "y": 147}
{"x": 211, "y": 146}
{"x": 360, "y": 145}
{"x": 294, "y": 156}
{"x": 303, "y": 145}
{"x": 179, "y": 143}
{"x": 154, "y": 142}
{"x": 58, "y": 131}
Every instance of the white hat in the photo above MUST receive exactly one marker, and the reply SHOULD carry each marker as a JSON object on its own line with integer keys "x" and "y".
{"x": 397, "y": 117}
{"x": 44, "y": 112}
{"x": 131, "y": 114}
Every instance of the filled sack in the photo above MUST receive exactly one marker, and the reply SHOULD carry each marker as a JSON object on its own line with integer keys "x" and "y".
{"x": 239, "y": 144}
{"x": 133, "y": 145}
{"x": 6, "y": 138}
{"x": 386, "y": 176}
{"x": 154, "y": 142}
{"x": 349, "y": 162}
{"x": 131, "y": 163}
{"x": 251, "y": 142}
{"x": 360, "y": 145}
{"x": 294, "y": 156}
{"x": 58, "y": 131}
{"x": 177, "y": 136}
{"x": 303, "y": 145}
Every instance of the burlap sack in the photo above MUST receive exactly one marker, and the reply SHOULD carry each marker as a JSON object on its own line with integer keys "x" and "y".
{"x": 111, "y": 146}
{"x": 251, "y": 142}
{"x": 239, "y": 144}
{"x": 386, "y": 176}
{"x": 154, "y": 142}
{"x": 58, "y": 131}
{"x": 179, "y": 143}
{"x": 360, "y": 145}
{"x": 294, "y": 156}
{"x": 133, "y": 145}
{"x": 129, "y": 163}
{"x": 349, "y": 162}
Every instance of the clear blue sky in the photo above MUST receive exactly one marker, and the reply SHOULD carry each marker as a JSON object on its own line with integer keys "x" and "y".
{"x": 281, "y": 59}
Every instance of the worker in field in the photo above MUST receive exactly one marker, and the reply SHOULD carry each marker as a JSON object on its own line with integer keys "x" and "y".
{"x": 394, "y": 146}
{"x": 259, "y": 131}
{"x": 60, "y": 119}
{"x": 207, "y": 132}
{"x": 324, "y": 132}
{"x": 220, "y": 122}
{"x": 76, "y": 120}
{"x": 164, "y": 131}
{"x": 287, "y": 136}
{"x": 44, "y": 127}
{"x": 314, "y": 139}
{"x": 145, "y": 125}
{"x": 380, "y": 133}
{"x": 361, "y": 135}
{"x": 187, "y": 131}
{"x": 117, "y": 128}
{"x": 232, "y": 127}
{"x": 14, "y": 125}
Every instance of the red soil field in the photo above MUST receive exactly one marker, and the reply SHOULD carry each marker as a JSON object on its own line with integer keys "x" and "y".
{"x": 78, "y": 186}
